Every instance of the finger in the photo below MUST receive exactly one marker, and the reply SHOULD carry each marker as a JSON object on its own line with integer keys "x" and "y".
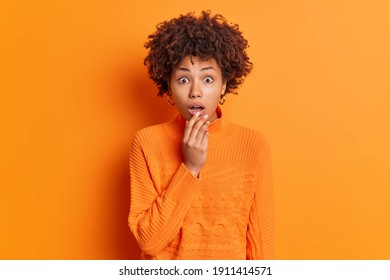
{"x": 201, "y": 132}
{"x": 189, "y": 126}
{"x": 205, "y": 139}
{"x": 197, "y": 126}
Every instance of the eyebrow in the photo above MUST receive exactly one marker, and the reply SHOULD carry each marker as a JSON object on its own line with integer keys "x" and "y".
{"x": 203, "y": 69}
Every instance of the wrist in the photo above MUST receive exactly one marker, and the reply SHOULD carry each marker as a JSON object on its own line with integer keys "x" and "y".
{"x": 195, "y": 171}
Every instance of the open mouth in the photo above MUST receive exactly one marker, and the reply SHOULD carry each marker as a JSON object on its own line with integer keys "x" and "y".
{"x": 195, "y": 109}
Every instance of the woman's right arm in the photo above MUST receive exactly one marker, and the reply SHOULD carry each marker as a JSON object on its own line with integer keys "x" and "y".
{"x": 156, "y": 218}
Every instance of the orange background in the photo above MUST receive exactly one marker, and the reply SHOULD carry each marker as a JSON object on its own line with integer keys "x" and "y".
{"x": 74, "y": 90}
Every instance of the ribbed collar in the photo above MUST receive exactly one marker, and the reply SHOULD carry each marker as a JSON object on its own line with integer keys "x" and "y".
{"x": 219, "y": 130}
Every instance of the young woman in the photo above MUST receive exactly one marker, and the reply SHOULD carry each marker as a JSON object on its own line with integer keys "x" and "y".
{"x": 201, "y": 186}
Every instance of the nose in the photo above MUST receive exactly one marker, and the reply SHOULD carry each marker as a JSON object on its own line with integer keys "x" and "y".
{"x": 195, "y": 91}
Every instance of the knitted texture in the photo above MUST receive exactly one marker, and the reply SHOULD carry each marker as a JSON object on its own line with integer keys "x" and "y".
{"x": 225, "y": 213}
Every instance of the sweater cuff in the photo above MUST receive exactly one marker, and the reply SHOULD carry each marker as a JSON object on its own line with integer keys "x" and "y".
{"x": 183, "y": 186}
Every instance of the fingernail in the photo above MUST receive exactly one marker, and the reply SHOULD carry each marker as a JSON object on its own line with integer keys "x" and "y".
{"x": 205, "y": 116}
{"x": 208, "y": 122}
{"x": 197, "y": 114}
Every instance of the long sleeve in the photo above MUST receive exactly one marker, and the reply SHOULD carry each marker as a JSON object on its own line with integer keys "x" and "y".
{"x": 226, "y": 213}
{"x": 156, "y": 218}
{"x": 261, "y": 227}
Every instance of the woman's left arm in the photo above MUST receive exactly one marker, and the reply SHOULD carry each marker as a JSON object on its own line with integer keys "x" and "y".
{"x": 261, "y": 226}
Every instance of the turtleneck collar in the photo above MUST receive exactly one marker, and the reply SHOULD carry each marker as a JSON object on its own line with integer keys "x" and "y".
{"x": 219, "y": 130}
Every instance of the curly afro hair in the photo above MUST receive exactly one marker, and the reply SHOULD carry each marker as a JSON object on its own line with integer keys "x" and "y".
{"x": 204, "y": 37}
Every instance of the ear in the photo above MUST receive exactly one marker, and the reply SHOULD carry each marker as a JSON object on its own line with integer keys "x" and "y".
{"x": 223, "y": 88}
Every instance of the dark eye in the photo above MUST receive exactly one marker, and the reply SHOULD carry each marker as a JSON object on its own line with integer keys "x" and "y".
{"x": 208, "y": 80}
{"x": 183, "y": 80}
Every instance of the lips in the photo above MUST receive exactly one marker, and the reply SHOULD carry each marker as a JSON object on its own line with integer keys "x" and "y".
{"x": 195, "y": 108}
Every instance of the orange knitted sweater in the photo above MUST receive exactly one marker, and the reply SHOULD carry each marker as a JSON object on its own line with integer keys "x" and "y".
{"x": 226, "y": 213}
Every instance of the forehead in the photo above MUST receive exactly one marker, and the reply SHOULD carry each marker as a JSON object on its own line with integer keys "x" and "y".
{"x": 194, "y": 63}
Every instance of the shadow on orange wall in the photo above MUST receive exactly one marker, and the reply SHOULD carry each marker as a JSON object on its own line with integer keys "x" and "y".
{"x": 138, "y": 105}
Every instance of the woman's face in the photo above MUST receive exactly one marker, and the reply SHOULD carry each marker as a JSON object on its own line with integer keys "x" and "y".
{"x": 196, "y": 86}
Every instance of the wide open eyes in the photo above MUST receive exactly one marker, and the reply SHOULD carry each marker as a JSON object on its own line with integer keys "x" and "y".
{"x": 183, "y": 80}
{"x": 208, "y": 80}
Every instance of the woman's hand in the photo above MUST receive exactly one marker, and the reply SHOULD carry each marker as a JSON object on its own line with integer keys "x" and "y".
{"x": 195, "y": 143}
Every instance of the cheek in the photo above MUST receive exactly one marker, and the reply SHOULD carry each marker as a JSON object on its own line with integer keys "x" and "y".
{"x": 178, "y": 96}
{"x": 217, "y": 91}
{"x": 214, "y": 97}
{"x": 177, "y": 92}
